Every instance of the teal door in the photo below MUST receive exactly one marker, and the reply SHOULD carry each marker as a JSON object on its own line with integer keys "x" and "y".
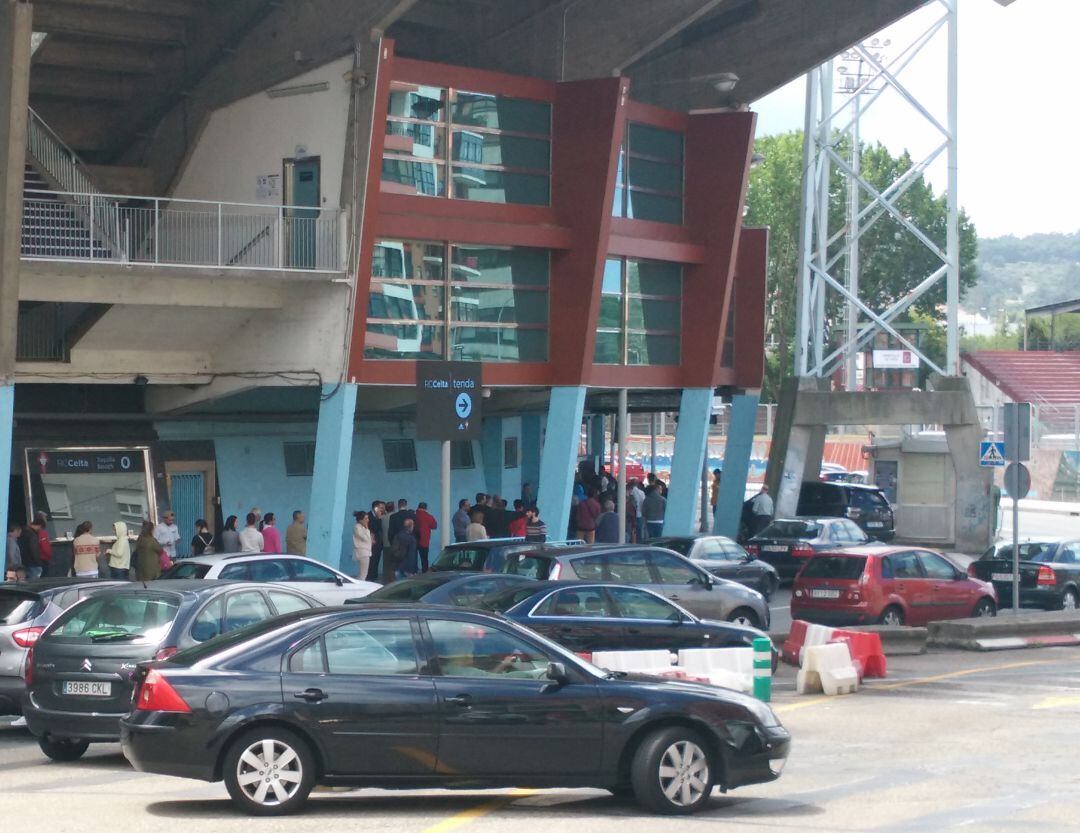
{"x": 302, "y": 196}
{"x": 188, "y": 502}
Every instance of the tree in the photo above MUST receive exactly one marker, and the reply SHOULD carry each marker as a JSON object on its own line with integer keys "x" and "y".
{"x": 892, "y": 261}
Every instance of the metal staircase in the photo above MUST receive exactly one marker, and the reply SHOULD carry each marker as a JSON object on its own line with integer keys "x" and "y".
{"x": 52, "y": 227}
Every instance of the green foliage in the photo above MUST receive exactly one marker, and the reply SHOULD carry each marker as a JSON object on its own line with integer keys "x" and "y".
{"x": 1019, "y": 272}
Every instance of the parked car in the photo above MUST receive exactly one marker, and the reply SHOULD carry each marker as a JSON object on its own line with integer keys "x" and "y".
{"x": 329, "y": 586}
{"x": 723, "y": 557}
{"x": 409, "y": 697}
{"x": 864, "y": 504}
{"x": 79, "y": 672}
{"x": 1049, "y": 573}
{"x": 488, "y": 555}
{"x": 889, "y": 585}
{"x": 613, "y": 617}
{"x": 26, "y": 609}
{"x": 458, "y": 589}
{"x": 787, "y": 543}
{"x": 662, "y": 571}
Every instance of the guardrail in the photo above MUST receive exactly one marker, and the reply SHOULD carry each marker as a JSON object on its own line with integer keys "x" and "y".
{"x": 179, "y": 232}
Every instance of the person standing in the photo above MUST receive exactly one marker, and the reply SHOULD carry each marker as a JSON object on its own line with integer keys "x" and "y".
{"x": 405, "y": 545}
{"x": 271, "y": 536}
{"x": 518, "y": 520}
{"x": 388, "y": 512}
{"x": 425, "y": 523}
{"x": 653, "y": 509}
{"x": 85, "y": 549}
{"x": 30, "y": 550}
{"x": 361, "y": 544}
{"x": 480, "y": 506}
{"x": 375, "y": 527}
{"x": 631, "y": 515}
{"x": 41, "y": 523}
{"x": 148, "y": 553}
{"x": 167, "y": 534}
{"x": 535, "y": 529}
{"x": 607, "y": 525}
{"x": 461, "y": 521}
{"x": 230, "y": 535}
{"x": 585, "y": 517}
{"x": 251, "y": 540}
{"x": 714, "y": 489}
{"x": 120, "y": 553}
{"x": 203, "y": 543}
{"x": 761, "y": 508}
{"x": 476, "y": 530}
{"x": 296, "y": 535}
{"x": 638, "y": 496}
{"x": 13, "y": 566}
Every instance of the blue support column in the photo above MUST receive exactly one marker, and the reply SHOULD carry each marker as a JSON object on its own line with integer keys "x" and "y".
{"x": 491, "y": 447}
{"x": 330, "y": 482}
{"x": 691, "y": 439}
{"x": 530, "y": 452}
{"x": 740, "y": 444}
{"x": 7, "y": 418}
{"x": 559, "y": 457}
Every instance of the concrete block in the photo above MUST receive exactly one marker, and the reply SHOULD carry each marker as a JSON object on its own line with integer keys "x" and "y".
{"x": 727, "y": 667}
{"x": 634, "y": 662}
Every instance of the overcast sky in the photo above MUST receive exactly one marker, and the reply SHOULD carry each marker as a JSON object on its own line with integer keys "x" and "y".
{"x": 1019, "y": 111}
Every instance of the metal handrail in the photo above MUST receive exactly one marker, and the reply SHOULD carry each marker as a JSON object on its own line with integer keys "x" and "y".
{"x": 58, "y": 160}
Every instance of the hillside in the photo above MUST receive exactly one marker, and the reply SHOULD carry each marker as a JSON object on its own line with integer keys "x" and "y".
{"x": 1017, "y": 272}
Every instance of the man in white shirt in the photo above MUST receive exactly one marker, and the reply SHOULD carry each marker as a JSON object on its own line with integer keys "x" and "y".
{"x": 167, "y": 534}
{"x": 251, "y": 540}
{"x": 637, "y": 494}
{"x": 761, "y": 505}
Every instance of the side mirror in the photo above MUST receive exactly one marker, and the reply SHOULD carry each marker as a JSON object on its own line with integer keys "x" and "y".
{"x": 556, "y": 672}
{"x": 339, "y": 581}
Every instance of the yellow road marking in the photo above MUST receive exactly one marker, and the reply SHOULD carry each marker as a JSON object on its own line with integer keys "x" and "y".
{"x": 801, "y": 704}
{"x": 1057, "y": 702}
{"x": 473, "y": 813}
{"x": 967, "y": 672}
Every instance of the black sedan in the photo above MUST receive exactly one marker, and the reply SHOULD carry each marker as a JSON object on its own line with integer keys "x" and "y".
{"x": 787, "y": 544}
{"x": 613, "y": 617}
{"x": 1049, "y": 573}
{"x": 461, "y": 589}
{"x": 418, "y": 697}
{"x": 79, "y": 672}
{"x": 723, "y": 557}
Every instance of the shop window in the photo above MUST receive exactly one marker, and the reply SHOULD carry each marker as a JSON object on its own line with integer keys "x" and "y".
{"x": 511, "y": 455}
{"x": 399, "y": 455}
{"x": 461, "y": 455}
{"x": 299, "y": 459}
{"x": 649, "y": 180}
{"x": 640, "y": 313}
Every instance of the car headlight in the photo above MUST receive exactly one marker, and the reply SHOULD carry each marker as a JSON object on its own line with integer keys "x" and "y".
{"x": 762, "y": 713}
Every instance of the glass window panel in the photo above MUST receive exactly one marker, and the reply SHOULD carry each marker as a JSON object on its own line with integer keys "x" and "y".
{"x": 657, "y": 142}
{"x": 483, "y": 185}
{"x": 657, "y": 176}
{"x": 644, "y": 314}
{"x": 500, "y": 264}
{"x": 468, "y": 649}
{"x": 422, "y": 139}
{"x": 608, "y": 348}
{"x": 499, "y": 306}
{"x": 617, "y": 203}
{"x": 656, "y": 207}
{"x": 496, "y": 149}
{"x": 461, "y": 455}
{"x": 403, "y": 341}
{"x": 610, "y": 311}
{"x": 502, "y": 113}
{"x": 653, "y": 277}
{"x": 645, "y": 348}
{"x": 408, "y": 259}
{"x": 404, "y": 176}
{"x": 416, "y": 101}
{"x": 405, "y": 301}
{"x": 498, "y": 344}
{"x": 371, "y": 648}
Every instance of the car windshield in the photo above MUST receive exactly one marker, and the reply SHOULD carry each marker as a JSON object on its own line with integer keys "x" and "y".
{"x": 505, "y": 599}
{"x": 409, "y": 590}
{"x": 792, "y": 530}
{"x": 681, "y": 545}
{"x": 846, "y": 568}
{"x": 1038, "y": 551}
{"x": 15, "y": 607}
{"x": 143, "y": 618}
{"x": 461, "y": 558}
{"x": 220, "y": 644}
{"x": 533, "y": 566}
{"x": 186, "y": 569}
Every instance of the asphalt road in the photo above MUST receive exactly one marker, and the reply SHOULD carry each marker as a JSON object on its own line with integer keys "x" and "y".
{"x": 959, "y": 741}
{"x": 1034, "y": 524}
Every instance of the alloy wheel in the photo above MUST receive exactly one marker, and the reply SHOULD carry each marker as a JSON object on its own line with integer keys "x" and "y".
{"x": 269, "y": 772}
{"x": 684, "y": 773}
{"x": 891, "y": 617}
{"x": 1068, "y": 602}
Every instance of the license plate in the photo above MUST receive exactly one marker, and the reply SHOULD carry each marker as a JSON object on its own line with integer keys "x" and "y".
{"x": 774, "y": 548}
{"x": 825, "y": 594}
{"x": 875, "y": 524}
{"x": 1001, "y": 577}
{"x": 81, "y": 689}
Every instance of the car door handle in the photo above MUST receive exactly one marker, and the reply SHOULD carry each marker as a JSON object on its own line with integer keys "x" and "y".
{"x": 463, "y": 700}
{"x": 311, "y": 695}
{"x": 674, "y": 598}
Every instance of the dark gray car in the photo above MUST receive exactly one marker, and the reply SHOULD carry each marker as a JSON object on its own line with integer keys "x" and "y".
{"x": 724, "y": 558}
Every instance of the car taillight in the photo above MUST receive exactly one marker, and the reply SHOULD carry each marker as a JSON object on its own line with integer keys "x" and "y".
{"x": 971, "y": 570}
{"x": 556, "y": 571}
{"x": 753, "y": 549}
{"x": 28, "y": 670}
{"x": 157, "y": 695}
{"x": 1046, "y": 577}
{"x": 26, "y": 637}
{"x": 165, "y": 653}
{"x": 802, "y": 551}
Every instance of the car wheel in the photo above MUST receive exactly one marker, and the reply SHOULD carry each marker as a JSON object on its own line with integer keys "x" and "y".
{"x": 985, "y": 607}
{"x": 893, "y": 616}
{"x": 1068, "y": 601}
{"x": 269, "y": 772}
{"x": 63, "y": 749}
{"x": 671, "y": 772}
{"x": 744, "y": 616}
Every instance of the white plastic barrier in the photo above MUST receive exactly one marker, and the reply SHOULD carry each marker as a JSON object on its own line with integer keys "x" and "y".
{"x": 727, "y": 667}
{"x": 634, "y": 662}
{"x": 815, "y": 635}
{"x": 827, "y": 668}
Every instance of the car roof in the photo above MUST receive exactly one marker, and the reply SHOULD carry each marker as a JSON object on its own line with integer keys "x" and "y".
{"x": 588, "y": 549}
{"x": 489, "y": 543}
{"x": 186, "y": 586}
{"x": 870, "y": 550}
{"x": 40, "y": 585}
{"x": 843, "y": 484}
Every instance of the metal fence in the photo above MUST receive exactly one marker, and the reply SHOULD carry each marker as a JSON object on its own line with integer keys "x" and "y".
{"x": 178, "y": 232}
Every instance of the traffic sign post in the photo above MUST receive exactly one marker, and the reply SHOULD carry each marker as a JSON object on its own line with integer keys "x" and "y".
{"x": 1017, "y": 479}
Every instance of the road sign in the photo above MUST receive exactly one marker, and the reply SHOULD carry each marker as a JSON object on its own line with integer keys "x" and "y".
{"x": 1017, "y": 480}
{"x": 448, "y": 398}
{"x": 1017, "y": 417}
{"x": 992, "y": 454}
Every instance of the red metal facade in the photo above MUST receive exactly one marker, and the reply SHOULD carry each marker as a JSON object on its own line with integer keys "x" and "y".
{"x": 589, "y": 119}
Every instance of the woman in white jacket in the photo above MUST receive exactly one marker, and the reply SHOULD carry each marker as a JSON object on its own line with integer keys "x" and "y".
{"x": 120, "y": 553}
{"x": 361, "y": 543}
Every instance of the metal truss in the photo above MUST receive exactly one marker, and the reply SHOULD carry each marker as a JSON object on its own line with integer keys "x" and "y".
{"x": 831, "y": 261}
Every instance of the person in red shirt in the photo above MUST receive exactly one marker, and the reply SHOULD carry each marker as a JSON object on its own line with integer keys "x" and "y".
{"x": 519, "y": 522}
{"x": 40, "y": 522}
{"x": 425, "y": 523}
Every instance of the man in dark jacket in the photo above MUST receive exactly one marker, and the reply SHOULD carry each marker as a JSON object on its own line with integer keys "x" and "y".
{"x": 405, "y": 550}
{"x": 30, "y": 550}
{"x": 397, "y": 520}
{"x": 376, "y": 525}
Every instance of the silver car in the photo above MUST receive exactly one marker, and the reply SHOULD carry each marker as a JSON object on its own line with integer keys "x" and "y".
{"x": 26, "y": 609}
{"x": 659, "y": 570}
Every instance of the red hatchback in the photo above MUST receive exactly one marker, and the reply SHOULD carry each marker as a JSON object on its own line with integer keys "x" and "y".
{"x": 888, "y": 585}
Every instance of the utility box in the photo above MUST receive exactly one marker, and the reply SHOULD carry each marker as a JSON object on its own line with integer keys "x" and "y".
{"x": 916, "y": 474}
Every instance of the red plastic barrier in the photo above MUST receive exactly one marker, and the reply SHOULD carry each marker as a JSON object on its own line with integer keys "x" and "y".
{"x": 585, "y": 656}
{"x": 866, "y": 652}
{"x": 794, "y": 643}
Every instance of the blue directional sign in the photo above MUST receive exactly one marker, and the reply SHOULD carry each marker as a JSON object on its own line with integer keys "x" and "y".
{"x": 992, "y": 454}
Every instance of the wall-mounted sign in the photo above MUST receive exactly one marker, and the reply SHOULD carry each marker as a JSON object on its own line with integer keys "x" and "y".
{"x": 267, "y": 186}
{"x": 448, "y": 398}
{"x": 119, "y": 461}
{"x": 898, "y": 359}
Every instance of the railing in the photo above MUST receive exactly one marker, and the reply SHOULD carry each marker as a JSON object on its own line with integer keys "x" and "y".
{"x": 58, "y": 160}
{"x": 177, "y": 232}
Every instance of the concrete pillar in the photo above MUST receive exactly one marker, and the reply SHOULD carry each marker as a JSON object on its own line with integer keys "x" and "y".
{"x": 691, "y": 440}
{"x": 16, "y": 26}
{"x": 740, "y": 445}
{"x": 974, "y": 517}
{"x": 796, "y": 450}
{"x": 330, "y": 480}
{"x": 7, "y": 414}
{"x": 531, "y": 440}
{"x": 491, "y": 447}
{"x": 559, "y": 457}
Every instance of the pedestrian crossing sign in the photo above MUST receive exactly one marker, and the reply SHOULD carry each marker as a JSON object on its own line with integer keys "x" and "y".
{"x": 992, "y": 454}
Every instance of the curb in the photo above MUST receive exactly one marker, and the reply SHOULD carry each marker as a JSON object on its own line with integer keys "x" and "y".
{"x": 1009, "y": 632}
{"x": 895, "y": 641}
{"x": 1009, "y": 643}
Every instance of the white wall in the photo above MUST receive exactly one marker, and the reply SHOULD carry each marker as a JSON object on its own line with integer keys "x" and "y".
{"x": 985, "y": 392}
{"x": 252, "y": 136}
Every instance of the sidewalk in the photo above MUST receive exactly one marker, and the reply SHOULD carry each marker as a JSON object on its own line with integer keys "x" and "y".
{"x": 1046, "y": 507}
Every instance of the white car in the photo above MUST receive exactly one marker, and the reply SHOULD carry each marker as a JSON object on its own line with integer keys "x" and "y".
{"x": 305, "y": 574}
